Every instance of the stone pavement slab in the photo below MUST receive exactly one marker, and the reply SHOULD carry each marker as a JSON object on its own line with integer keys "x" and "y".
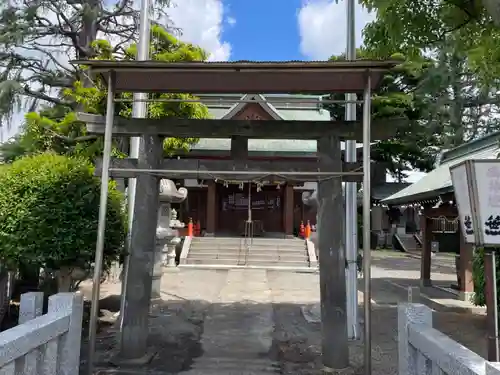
{"x": 238, "y": 327}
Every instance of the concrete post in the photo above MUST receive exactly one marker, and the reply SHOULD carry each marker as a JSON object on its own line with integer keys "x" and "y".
{"x": 332, "y": 259}
{"x": 134, "y": 330}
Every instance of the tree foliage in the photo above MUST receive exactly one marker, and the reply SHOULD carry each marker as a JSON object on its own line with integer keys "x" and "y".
{"x": 415, "y": 26}
{"x": 449, "y": 81}
{"x": 478, "y": 277}
{"x": 48, "y": 214}
{"x": 412, "y": 146}
{"x": 38, "y": 37}
{"x": 461, "y": 40}
{"x": 55, "y": 128}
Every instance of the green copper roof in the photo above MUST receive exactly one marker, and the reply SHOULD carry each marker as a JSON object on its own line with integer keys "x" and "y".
{"x": 438, "y": 181}
{"x": 259, "y": 145}
{"x": 286, "y": 106}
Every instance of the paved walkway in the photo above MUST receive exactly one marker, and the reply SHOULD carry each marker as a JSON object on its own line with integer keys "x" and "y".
{"x": 244, "y": 321}
{"x": 238, "y": 327}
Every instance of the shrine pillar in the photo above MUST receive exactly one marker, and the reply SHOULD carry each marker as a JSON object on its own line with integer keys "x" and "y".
{"x": 330, "y": 234}
{"x": 138, "y": 286}
{"x": 466, "y": 283}
{"x": 288, "y": 211}
{"x": 425, "y": 259}
{"x": 211, "y": 208}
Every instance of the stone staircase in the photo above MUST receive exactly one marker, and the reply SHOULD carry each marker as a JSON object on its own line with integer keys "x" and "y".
{"x": 263, "y": 252}
{"x": 233, "y": 366}
{"x": 408, "y": 242}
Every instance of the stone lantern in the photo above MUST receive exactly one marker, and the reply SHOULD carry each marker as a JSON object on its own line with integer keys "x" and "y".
{"x": 167, "y": 234}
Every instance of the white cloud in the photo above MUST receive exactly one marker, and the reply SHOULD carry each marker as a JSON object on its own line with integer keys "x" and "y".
{"x": 201, "y": 23}
{"x": 322, "y": 27}
{"x": 231, "y": 21}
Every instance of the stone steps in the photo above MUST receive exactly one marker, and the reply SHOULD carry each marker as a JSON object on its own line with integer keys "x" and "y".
{"x": 257, "y": 248}
{"x": 250, "y": 252}
{"x": 233, "y": 365}
{"x": 255, "y": 241}
{"x": 249, "y": 262}
{"x": 228, "y": 257}
{"x": 409, "y": 242}
{"x": 263, "y": 251}
{"x": 292, "y": 245}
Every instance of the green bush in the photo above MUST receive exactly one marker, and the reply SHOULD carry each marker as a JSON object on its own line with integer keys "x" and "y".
{"x": 479, "y": 298}
{"x": 49, "y": 213}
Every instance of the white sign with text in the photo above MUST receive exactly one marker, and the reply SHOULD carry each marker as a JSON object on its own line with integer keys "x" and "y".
{"x": 488, "y": 197}
{"x": 461, "y": 189}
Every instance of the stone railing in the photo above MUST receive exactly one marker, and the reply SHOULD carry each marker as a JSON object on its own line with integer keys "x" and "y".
{"x": 425, "y": 350}
{"x": 44, "y": 344}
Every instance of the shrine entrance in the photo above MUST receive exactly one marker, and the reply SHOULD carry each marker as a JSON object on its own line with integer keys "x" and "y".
{"x": 265, "y": 203}
{"x": 329, "y": 170}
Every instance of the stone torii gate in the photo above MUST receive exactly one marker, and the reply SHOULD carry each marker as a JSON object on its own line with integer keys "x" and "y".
{"x": 236, "y": 77}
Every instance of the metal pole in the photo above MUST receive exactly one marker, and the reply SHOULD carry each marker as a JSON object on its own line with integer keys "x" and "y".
{"x": 139, "y": 110}
{"x": 495, "y": 302}
{"x": 351, "y": 196}
{"x": 366, "y": 226}
{"x": 491, "y": 304}
{"x": 101, "y": 227}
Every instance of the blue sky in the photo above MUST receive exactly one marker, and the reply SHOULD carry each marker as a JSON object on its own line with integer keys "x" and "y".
{"x": 267, "y": 29}
{"x": 264, "y": 29}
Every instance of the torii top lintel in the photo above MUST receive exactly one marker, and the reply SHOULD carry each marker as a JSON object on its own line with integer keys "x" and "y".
{"x": 316, "y": 77}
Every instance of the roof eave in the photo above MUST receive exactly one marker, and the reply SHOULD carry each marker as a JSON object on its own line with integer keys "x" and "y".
{"x": 236, "y": 77}
{"x": 417, "y": 198}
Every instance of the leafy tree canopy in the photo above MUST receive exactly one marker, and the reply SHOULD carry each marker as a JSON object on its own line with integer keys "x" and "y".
{"x": 448, "y": 83}
{"x": 412, "y": 146}
{"x": 48, "y": 214}
{"x": 38, "y": 37}
{"x": 415, "y": 26}
{"x": 55, "y": 128}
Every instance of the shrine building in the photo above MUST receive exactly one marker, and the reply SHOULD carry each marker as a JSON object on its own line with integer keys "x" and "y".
{"x": 221, "y": 205}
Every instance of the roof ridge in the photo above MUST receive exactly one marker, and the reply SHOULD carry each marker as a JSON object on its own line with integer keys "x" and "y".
{"x": 471, "y": 146}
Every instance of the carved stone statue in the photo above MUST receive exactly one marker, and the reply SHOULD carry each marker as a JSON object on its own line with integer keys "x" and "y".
{"x": 167, "y": 234}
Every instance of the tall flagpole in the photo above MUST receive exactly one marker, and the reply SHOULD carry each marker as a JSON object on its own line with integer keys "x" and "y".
{"x": 139, "y": 110}
{"x": 351, "y": 192}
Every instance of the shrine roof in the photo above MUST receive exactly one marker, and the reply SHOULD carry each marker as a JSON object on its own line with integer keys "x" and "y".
{"x": 279, "y": 106}
{"x": 314, "y": 77}
{"x": 260, "y": 147}
{"x": 286, "y": 106}
{"x": 438, "y": 181}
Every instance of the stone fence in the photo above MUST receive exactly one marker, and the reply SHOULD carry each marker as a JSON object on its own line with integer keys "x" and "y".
{"x": 424, "y": 350}
{"x": 44, "y": 344}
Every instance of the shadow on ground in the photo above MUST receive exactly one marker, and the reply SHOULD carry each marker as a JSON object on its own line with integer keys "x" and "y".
{"x": 178, "y": 333}
{"x": 408, "y": 263}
